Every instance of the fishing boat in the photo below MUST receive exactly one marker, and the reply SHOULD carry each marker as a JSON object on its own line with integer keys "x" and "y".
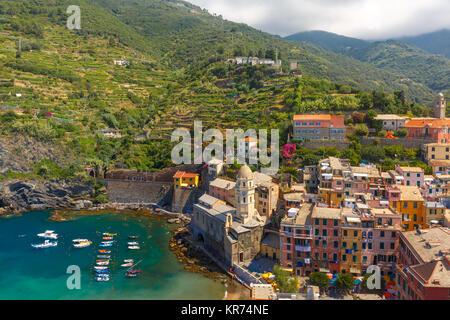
{"x": 100, "y": 268}
{"x": 102, "y": 262}
{"x": 133, "y": 271}
{"x": 110, "y": 234}
{"x": 131, "y": 275}
{"x": 102, "y": 278}
{"x": 104, "y": 251}
{"x": 133, "y": 243}
{"x": 126, "y": 265}
{"x": 48, "y": 234}
{"x": 134, "y": 247}
{"x": 103, "y": 256}
{"x": 133, "y": 237}
{"x": 107, "y": 242}
{"x": 102, "y": 272}
{"x": 83, "y": 244}
{"x": 79, "y": 240}
{"x": 128, "y": 260}
{"x": 46, "y": 244}
{"x": 107, "y": 238}
{"x": 105, "y": 245}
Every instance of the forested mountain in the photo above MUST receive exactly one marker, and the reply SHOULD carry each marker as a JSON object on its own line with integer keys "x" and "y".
{"x": 328, "y": 40}
{"x": 396, "y": 56}
{"x": 437, "y": 42}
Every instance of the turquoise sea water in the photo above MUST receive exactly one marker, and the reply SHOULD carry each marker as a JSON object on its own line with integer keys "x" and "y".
{"x": 27, "y": 273}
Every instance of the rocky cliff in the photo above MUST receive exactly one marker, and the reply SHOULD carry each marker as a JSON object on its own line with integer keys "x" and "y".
{"x": 21, "y": 196}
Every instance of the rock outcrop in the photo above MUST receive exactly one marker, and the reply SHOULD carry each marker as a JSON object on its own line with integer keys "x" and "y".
{"x": 17, "y": 196}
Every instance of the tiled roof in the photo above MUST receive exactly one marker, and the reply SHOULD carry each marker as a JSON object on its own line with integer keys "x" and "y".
{"x": 434, "y": 123}
{"x": 182, "y": 174}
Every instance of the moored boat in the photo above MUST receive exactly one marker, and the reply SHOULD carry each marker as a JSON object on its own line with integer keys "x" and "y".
{"x": 104, "y": 251}
{"x": 134, "y": 247}
{"x": 133, "y": 243}
{"x": 126, "y": 265}
{"x": 133, "y": 237}
{"x": 48, "y": 234}
{"x": 46, "y": 244}
{"x": 83, "y": 244}
{"x": 103, "y": 256}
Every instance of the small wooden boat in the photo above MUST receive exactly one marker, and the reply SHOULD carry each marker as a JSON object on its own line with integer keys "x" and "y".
{"x": 103, "y": 256}
{"x": 133, "y": 237}
{"x": 110, "y": 234}
{"x": 104, "y": 251}
{"x": 102, "y": 278}
{"x": 102, "y": 262}
{"x": 107, "y": 238}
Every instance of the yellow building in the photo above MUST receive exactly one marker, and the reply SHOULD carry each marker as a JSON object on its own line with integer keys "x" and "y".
{"x": 409, "y": 202}
{"x": 434, "y": 213}
{"x": 437, "y": 151}
{"x": 351, "y": 239}
{"x": 184, "y": 179}
{"x": 270, "y": 246}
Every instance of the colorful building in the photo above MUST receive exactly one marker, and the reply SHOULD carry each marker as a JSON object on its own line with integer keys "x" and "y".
{"x": 409, "y": 202}
{"x": 423, "y": 269}
{"x": 351, "y": 236}
{"x": 184, "y": 179}
{"x": 296, "y": 240}
{"x": 327, "y": 239}
{"x": 318, "y": 127}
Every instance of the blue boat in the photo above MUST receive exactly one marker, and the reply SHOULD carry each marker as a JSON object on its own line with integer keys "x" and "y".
{"x": 105, "y": 245}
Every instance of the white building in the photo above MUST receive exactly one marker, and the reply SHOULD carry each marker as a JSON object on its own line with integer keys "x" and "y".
{"x": 391, "y": 122}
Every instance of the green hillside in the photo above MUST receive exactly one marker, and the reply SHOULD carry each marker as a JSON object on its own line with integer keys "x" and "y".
{"x": 62, "y": 86}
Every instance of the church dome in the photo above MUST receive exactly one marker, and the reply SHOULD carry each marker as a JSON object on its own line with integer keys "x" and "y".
{"x": 245, "y": 172}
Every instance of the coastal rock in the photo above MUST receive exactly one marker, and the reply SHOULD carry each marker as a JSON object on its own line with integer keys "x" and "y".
{"x": 19, "y": 196}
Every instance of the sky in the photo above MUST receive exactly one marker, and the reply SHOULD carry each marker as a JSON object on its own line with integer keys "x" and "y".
{"x": 365, "y": 19}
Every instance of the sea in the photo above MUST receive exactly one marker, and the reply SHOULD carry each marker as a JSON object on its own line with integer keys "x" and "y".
{"x": 47, "y": 274}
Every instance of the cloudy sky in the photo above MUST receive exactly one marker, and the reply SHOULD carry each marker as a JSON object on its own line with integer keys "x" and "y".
{"x": 367, "y": 19}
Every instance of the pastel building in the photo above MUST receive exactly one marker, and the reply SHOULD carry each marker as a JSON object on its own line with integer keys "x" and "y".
{"x": 351, "y": 239}
{"x": 223, "y": 189}
{"x": 409, "y": 202}
{"x": 296, "y": 237}
{"x": 423, "y": 269}
{"x": 412, "y": 176}
{"x": 327, "y": 239}
{"x": 318, "y": 127}
{"x": 185, "y": 179}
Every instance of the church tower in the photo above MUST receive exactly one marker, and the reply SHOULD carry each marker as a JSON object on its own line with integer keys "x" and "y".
{"x": 440, "y": 106}
{"x": 245, "y": 195}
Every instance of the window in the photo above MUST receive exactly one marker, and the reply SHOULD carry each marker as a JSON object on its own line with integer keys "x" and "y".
{"x": 335, "y": 257}
{"x": 355, "y": 233}
{"x": 316, "y": 232}
{"x": 324, "y": 244}
{"x": 316, "y": 243}
{"x": 405, "y": 204}
{"x": 364, "y": 259}
{"x": 336, "y": 244}
{"x": 415, "y": 203}
{"x": 345, "y": 233}
{"x": 382, "y": 234}
{"x": 393, "y": 234}
{"x": 324, "y": 222}
{"x": 354, "y": 258}
{"x": 344, "y": 257}
{"x": 335, "y": 232}
{"x": 324, "y": 232}
{"x": 392, "y": 245}
{"x": 381, "y": 245}
{"x": 335, "y": 222}
{"x": 317, "y": 222}
{"x": 324, "y": 256}
{"x": 344, "y": 244}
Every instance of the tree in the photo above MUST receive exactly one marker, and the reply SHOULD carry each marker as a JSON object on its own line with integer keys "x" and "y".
{"x": 361, "y": 130}
{"x": 373, "y": 153}
{"x": 344, "y": 281}
{"x": 285, "y": 282}
{"x": 401, "y": 133}
{"x": 319, "y": 279}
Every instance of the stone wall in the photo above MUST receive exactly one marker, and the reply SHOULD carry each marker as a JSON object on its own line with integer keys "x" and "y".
{"x": 165, "y": 175}
{"x": 184, "y": 199}
{"x": 340, "y": 145}
{"x": 405, "y": 142}
{"x": 135, "y": 192}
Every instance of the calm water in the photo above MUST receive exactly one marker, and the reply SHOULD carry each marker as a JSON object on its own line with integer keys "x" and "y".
{"x": 27, "y": 273}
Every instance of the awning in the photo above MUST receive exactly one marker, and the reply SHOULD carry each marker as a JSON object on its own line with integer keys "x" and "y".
{"x": 354, "y": 270}
{"x": 324, "y": 270}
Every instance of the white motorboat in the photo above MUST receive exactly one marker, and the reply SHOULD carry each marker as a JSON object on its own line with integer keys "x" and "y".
{"x": 134, "y": 247}
{"x": 100, "y": 268}
{"x": 102, "y": 262}
{"x": 48, "y": 234}
{"x": 46, "y": 244}
{"x": 126, "y": 265}
{"x": 128, "y": 260}
{"x": 133, "y": 243}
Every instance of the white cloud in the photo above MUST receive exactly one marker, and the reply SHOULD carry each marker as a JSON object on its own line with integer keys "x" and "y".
{"x": 368, "y": 19}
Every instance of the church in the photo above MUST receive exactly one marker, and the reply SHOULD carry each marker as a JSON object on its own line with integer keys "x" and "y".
{"x": 232, "y": 235}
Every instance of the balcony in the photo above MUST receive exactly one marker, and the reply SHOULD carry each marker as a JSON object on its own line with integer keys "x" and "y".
{"x": 302, "y": 248}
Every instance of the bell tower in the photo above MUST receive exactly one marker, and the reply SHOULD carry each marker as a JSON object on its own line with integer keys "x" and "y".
{"x": 440, "y": 106}
{"x": 245, "y": 194}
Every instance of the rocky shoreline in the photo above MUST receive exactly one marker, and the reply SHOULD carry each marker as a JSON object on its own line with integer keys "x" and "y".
{"x": 197, "y": 261}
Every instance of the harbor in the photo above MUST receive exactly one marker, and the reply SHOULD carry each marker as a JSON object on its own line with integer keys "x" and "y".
{"x": 121, "y": 256}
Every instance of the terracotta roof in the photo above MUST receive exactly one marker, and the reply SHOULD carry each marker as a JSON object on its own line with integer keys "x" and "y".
{"x": 182, "y": 174}
{"x": 411, "y": 169}
{"x": 312, "y": 117}
{"x": 409, "y": 193}
{"x": 436, "y": 123}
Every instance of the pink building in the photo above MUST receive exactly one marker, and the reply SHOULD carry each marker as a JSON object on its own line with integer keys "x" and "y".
{"x": 223, "y": 189}
{"x": 413, "y": 176}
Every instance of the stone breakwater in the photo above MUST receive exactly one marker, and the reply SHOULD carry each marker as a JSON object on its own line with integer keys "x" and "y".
{"x": 18, "y": 196}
